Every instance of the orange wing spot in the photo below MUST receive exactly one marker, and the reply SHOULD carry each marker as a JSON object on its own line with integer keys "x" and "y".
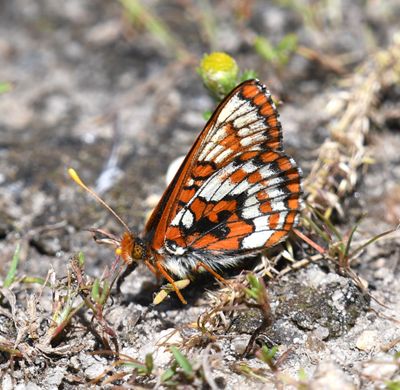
{"x": 272, "y": 121}
{"x": 198, "y": 183}
{"x": 229, "y": 129}
{"x": 293, "y": 187}
{"x": 231, "y": 244}
{"x": 255, "y": 177}
{"x": 186, "y": 195}
{"x": 260, "y": 99}
{"x": 174, "y": 234}
{"x": 198, "y": 207}
{"x": 274, "y": 145}
{"x": 284, "y": 164}
{"x": 209, "y": 208}
{"x": 239, "y": 228}
{"x": 223, "y": 205}
{"x": 230, "y": 135}
{"x": 289, "y": 220}
{"x": 203, "y": 170}
{"x": 261, "y": 196}
{"x": 249, "y": 91}
{"x": 292, "y": 175}
{"x": 248, "y": 155}
{"x": 213, "y": 217}
{"x": 233, "y": 218}
{"x": 238, "y": 176}
{"x": 293, "y": 203}
{"x": 212, "y": 211}
{"x": 232, "y": 140}
{"x": 265, "y": 207}
{"x": 275, "y": 238}
{"x": 204, "y": 241}
{"x": 273, "y": 133}
{"x": 273, "y": 221}
{"x": 267, "y": 110}
{"x": 269, "y": 157}
{"x": 229, "y": 205}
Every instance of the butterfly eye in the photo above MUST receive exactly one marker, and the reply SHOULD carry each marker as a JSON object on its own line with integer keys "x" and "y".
{"x": 138, "y": 251}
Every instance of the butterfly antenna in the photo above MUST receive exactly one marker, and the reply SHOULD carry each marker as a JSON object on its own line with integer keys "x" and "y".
{"x": 75, "y": 177}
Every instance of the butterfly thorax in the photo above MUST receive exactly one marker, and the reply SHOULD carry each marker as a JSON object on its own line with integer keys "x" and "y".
{"x": 133, "y": 248}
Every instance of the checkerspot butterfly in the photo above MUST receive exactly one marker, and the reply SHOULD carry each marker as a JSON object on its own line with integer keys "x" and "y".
{"x": 235, "y": 194}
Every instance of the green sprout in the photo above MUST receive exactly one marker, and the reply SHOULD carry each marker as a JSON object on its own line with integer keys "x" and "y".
{"x": 181, "y": 368}
{"x": 251, "y": 372}
{"x": 183, "y": 362}
{"x": 280, "y": 54}
{"x": 10, "y": 278}
{"x": 5, "y": 87}
{"x": 393, "y": 385}
{"x": 138, "y": 14}
{"x": 12, "y": 272}
{"x": 81, "y": 259}
{"x": 267, "y": 355}
{"x": 256, "y": 290}
{"x": 142, "y": 369}
{"x": 340, "y": 247}
{"x": 100, "y": 291}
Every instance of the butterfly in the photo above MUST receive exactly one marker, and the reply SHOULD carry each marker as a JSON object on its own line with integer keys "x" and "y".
{"x": 235, "y": 194}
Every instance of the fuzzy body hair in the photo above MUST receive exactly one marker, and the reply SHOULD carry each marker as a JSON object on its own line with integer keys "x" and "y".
{"x": 188, "y": 264}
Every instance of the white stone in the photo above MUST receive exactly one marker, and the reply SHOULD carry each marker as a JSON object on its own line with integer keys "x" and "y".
{"x": 173, "y": 169}
{"x": 27, "y": 386}
{"x": 6, "y": 382}
{"x": 239, "y": 344}
{"x": 169, "y": 337}
{"x": 367, "y": 340}
{"x": 95, "y": 370}
{"x": 379, "y": 370}
{"x": 330, "y": 377}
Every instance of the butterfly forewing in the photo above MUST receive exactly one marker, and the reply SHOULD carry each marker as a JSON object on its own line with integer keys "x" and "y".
{"x": 245, "y": 122}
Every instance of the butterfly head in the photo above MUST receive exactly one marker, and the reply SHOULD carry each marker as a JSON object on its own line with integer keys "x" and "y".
{"x": 132, "y": 248}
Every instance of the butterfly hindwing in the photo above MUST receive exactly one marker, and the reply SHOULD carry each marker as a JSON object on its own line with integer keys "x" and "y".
{"x": 249, "y": 204}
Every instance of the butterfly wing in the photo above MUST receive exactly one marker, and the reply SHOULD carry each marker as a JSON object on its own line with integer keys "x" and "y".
{"x": 245, "y": 121}
{"x": 250, "y": 204}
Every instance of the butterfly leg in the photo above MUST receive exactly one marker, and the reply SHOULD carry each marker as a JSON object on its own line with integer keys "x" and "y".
{"x": 211, "y": 271}
{"x": 152, "y": 268}
{"x": 128, "y": 270}
{"x": 170, "y": 280}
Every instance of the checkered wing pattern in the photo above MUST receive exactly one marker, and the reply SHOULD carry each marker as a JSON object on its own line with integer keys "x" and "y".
{"x": 236, "y": 190}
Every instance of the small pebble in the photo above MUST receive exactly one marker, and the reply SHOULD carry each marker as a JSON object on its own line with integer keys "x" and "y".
{"x": 367, "y": 340}
{"x": 6, "y": 383}
{"x": 173, "y": 168}
{"x": 380, "y": 370}
{"x": 169, "y": 337}
{"x": 330, "y": 377}
{"x": 239, "y": 344}
{"x": 94, "y": 370}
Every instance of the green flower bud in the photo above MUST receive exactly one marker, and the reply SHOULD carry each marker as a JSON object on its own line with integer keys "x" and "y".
{"x": 219, "y": 72}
